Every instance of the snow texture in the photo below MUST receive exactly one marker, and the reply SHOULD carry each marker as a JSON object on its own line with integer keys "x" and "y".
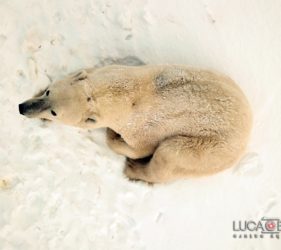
{"x": 61, "y": 188}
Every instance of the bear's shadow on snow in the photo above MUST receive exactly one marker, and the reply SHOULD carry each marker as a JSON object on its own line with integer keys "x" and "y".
{"x": 128, "y": 61}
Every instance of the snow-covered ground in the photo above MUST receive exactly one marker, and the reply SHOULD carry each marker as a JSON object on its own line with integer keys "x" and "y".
{"x": 62, "y": 189}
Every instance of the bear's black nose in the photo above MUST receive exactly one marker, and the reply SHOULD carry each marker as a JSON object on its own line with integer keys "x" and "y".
{"x": 22, "y": 108}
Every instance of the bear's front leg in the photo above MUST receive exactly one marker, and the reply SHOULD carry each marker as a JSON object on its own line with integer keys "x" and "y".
{"x": 118, "y": 145}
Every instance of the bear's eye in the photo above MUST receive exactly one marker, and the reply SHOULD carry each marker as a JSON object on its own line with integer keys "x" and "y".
{"x": 48, "y": 92}
{"x": 53, "y": 113}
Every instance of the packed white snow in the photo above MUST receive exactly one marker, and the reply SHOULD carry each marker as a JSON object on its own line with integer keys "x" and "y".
{"x": 61, "y": 188}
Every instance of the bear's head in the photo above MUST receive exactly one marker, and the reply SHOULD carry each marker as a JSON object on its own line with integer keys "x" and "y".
{"x": 67, "y": 101}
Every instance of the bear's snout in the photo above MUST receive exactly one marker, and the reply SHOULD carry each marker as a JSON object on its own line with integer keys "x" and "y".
{"x": 33, "y": 106}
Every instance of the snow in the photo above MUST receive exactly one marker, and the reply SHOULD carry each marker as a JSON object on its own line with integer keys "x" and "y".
{"x": 62, "y": 188}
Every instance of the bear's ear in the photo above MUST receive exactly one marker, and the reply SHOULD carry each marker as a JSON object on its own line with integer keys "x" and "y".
{"x": 40, "y": 92}
{"x": 80, "y": 75}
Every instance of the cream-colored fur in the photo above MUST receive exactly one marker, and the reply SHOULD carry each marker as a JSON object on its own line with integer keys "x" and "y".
{"x": 170, "y": 121}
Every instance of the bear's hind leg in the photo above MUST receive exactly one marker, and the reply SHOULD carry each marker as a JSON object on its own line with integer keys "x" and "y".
{"x": 182, "y": 156}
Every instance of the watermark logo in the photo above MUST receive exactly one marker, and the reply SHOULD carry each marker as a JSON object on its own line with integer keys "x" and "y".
{"x": 265, "y": 227}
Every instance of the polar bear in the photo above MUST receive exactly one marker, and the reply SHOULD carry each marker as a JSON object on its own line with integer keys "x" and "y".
{"x": 169, "y": 121}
